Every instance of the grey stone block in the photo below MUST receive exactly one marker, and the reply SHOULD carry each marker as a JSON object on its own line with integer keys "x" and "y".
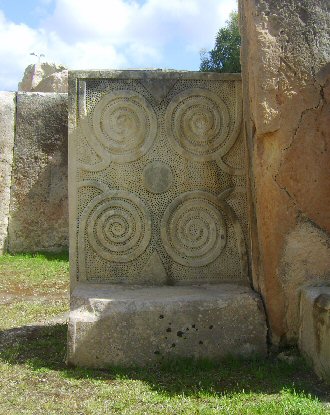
{"x": 7, "y": 127}
{"x": 38, "y": 212}
{"x": 135, "y": 325}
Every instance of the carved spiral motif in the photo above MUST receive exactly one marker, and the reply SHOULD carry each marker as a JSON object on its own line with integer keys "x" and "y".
{"x": 125, "y": 124}
{"x": 118, "y": 226}
{"x": 193, "y": 230}
{"x": 197, "y": 123}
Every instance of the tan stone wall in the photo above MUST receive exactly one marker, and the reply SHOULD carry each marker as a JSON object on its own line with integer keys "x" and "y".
{"x": 38, "y": 205}
{"x": 286, "y": 87}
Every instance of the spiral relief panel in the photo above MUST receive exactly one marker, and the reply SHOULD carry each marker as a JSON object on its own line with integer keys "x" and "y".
{"x": 157, "y": 168}
{"x": 197, "y": 123}
{"x": 118, "y": 226}
{"x": 193, "y": 230}
{"x": 125, "y": 124}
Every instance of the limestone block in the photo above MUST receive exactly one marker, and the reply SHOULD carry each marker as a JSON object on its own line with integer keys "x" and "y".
{"x": 314, "y": 336}
{"x": 115, "y": 325}
{"x": 36, "y": 73}
{"x": 7, "y": 127}
{"x": 56, "y": 82}
{"x": 39, "y": 213}
{"x": 305, "y": 261}
{"x": 285, "y": 73}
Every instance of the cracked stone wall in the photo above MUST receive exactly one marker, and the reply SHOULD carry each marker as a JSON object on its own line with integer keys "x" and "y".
{"x": 286, "y": 88}
{"x": 38, "y": 217}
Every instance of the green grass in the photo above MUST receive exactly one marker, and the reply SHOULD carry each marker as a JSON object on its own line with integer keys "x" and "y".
{"x": 20, "y": 313}
{"x": 34, "y": 273}
{"x": 35, "y": 380}
{"x": 33, "y": 287}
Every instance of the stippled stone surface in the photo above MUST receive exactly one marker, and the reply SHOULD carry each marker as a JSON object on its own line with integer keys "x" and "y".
{"x": 157, "y": 178}
{"x": 286, "y": 84}
{"x": 7, "y": 125}
{"x": 38, "y": 212}
{"x": 314, "y": 330}
{"x": 113, "y": 325}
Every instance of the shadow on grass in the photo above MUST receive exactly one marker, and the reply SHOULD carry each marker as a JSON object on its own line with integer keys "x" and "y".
{"x": 54, "y": 256}
{"x": 44, "y": 347}
{"x": 49, "y": 256}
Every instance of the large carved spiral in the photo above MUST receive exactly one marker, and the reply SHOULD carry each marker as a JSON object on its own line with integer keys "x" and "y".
{"x": 197, "y": 122}
{"x": 125, "y": 125}
{"x": 193, "y": 230}
{"x": 118, "y": 226}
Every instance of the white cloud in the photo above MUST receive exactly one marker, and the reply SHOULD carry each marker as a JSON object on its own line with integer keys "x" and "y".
{"x": 17, "y": 41}
{"x": 87, "y": 34}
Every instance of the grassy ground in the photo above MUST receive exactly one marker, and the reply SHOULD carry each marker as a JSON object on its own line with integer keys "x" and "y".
{"x": 34, "y": 379}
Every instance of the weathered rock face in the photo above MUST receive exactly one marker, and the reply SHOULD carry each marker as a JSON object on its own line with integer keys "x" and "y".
{"x": 38, "y": 208}
{"x": 7, "y": 123}
{"x": 44, "y": 77}
{"x": 56, "y": 82}
{"x": 286, "y": 84}
{"x": 314, "y": 331}
{"x": 305, "y": 261}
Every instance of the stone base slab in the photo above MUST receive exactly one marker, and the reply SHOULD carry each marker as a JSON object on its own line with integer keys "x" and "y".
{"x": 314, "y": 336}
{"x": 116, "y": 325}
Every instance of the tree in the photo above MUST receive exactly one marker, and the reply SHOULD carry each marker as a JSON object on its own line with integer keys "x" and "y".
{"x": 225, "y": 57}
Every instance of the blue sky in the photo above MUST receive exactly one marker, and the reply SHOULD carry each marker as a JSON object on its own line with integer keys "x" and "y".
{"x": 107, "y": 34}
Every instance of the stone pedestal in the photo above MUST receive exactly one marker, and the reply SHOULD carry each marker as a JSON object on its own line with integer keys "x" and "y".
{"x": 112, "y": 325}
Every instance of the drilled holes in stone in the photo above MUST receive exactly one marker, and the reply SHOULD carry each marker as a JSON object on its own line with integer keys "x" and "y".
{"x": 125, "y": 124}
{"x": 197, "y": 123}
{"x": 193, "y": 230}
{"x": 118, "y": 226}
{"x": 157, "y": 177}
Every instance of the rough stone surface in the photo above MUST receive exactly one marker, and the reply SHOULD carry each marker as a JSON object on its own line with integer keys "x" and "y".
{"x": 314, "y": 335}
{"x": 157, "y": 178}
{"x": 305, "y": 261}
{"x": 7, "y": 124}
{"x": 38, "y": 208}
{"x": 285, "y": 66}
{"x": 56, "y": 82}
{"x": 113, "y": 325}
{"x": 44, "y": 77}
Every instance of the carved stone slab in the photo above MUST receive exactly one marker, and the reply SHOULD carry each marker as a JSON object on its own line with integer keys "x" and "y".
{"x": 157, "y": 178}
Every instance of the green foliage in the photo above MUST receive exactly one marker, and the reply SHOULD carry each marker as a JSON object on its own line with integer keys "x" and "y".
{"x": 225, "y": 57}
